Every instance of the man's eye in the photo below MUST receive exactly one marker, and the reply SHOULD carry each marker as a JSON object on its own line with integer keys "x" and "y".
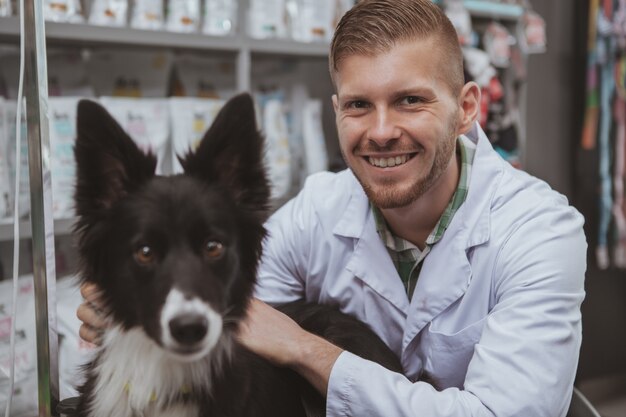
{"x": 356, "y": 104}
{"x": 412, "y": 100}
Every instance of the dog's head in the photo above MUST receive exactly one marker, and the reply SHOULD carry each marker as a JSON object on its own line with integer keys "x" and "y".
{"x": 175, "y": 256}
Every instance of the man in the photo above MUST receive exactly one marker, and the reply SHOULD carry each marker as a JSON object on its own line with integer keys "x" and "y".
{"x": 471, "y": 271}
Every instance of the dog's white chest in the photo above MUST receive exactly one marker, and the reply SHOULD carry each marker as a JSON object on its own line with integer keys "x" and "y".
{"x": 136, "y": 379}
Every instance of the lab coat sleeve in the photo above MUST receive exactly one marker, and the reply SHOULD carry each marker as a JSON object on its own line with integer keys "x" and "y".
{"x": 525, "y": 361}
{"x": 281, "y": 272}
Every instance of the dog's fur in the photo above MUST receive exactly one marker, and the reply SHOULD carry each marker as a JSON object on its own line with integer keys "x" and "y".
{"x": 176, "y": 260}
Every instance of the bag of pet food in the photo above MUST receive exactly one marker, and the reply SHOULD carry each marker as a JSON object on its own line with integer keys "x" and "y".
{"x": 267, "y": 19}
{"x": 130, "y": 73}
{"x": 190, "y": 118}
{"x": 6, "y": 187}
{"x": 147, "y": 122}
{"x": 62, "y": 129}
{"x": 220, "y": 17}
{"x": 25, "y": 387}
{"x": 63, "y": 11}
{"x": 315, "y": 154}
{"x": 206, "y": 77}
{"x": 10, "y": 109}
{"x": 109, "y": 13}
{"x": 147, "y": 14}
{"x": 183, "y": 16}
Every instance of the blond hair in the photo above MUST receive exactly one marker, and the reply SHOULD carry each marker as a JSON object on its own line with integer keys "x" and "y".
{"x": 375, "y": 26}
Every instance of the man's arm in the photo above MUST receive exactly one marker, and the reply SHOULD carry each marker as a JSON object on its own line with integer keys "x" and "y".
{"x": 276, "y": 337}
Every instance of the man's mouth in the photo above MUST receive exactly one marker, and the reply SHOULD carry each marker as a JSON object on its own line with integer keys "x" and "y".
{"x": 390, "y": 161}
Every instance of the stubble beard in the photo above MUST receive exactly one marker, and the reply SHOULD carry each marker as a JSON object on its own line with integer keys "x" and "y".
{"x": 390, "y": 195}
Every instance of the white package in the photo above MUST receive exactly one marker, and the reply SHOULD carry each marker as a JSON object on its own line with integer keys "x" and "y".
{"x": 109, "y": 13}
{"x": 10, "y": 109}
{"x": 190, "y": 118}
{"x": 315, "y": 154}
{"x": 220, "y": 17}
{"x": 267, "y": 19}
{"x": 147, "y": 14}
{"x": 5, "y": 7}
{"x": 147, "y": 123}
{"x": 6, "y": 187}
{"x": 25, "y": 389}
{"x": 277, "y": 151}
{"x": 62, "y": 121}
{"x": 63, "y": 11}
{"x": 183, "y": 16}
{"x": 130, "y": 73}
{"x": 312, "y": 20}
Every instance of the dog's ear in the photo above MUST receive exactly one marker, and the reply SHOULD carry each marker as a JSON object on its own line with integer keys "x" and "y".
{"x": 108, "y": 163}
{"x": 231, "y": 154}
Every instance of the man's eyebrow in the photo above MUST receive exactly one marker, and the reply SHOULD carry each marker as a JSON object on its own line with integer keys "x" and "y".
{"x": 415, "y": 91}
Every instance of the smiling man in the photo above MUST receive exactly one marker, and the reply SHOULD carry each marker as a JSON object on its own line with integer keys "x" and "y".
{"x": 471, "y": 271}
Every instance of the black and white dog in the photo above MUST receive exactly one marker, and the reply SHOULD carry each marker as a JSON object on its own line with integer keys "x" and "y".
{"x": 176, "y": 259}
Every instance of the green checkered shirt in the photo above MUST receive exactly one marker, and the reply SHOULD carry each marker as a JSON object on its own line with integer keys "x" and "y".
{"x": 407, "y": 257}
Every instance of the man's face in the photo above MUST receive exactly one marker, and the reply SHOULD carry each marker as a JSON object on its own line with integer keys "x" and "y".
{"x": 397, "y": 121}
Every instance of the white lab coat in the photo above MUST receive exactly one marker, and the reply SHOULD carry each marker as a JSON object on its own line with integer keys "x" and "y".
{"x": 494, "y": 324}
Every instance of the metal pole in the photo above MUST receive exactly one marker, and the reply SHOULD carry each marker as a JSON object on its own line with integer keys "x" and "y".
{"x": 36, "y": 94}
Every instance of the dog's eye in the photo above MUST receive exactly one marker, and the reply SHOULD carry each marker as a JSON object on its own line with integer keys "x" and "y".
{"x": 144, "y": 255}
{"x": 213, "y": 249}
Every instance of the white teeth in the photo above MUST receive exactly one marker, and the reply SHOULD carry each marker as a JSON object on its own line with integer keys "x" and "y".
{"x": 388, "y": 162}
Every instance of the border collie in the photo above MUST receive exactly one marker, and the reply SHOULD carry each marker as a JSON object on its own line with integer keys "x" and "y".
{"x": 176, "y": 259}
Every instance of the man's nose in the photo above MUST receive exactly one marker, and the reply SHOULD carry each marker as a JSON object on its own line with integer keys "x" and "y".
{"x": 384, "y": 127}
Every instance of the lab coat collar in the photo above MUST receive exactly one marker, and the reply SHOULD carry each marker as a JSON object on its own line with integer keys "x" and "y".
{"x": 446, "y": 272}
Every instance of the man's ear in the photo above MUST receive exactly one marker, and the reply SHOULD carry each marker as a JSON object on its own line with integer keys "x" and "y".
{"x": 231, "y": 154}
{"x": 108, "y": 163}
{"x": 469, "y": 104}
{"x": 335, "y": 103}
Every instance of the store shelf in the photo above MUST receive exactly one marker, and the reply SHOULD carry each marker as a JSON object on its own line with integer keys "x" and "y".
{"x": 61, "y": 227}
{"x": 492, "y": 10}
{"x": 90, "y": 35}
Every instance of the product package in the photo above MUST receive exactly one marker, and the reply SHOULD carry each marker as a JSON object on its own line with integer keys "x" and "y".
{"x": 267, "y": 19}
{"x": 130, "y": 73}
{"x": 497, "y": 41}
{"x": 220, "y": 17}
{"x": 316, "y": 156}
{"x": 63, "y": 11}
{"x": 207, "y": 77}
{"x": 6, "y": 187}
{"x": 147, "y": 14}
{"x": 190, "y": 119}
{"x": 533, "y": 36}
{"x": 277, "y": 149}
{"x": 25, "y": 388}
{"x": 147, "y": 123}
{"x": 67, "y": 73}
{"x": 183, "y": 16}
{"x": 312, "y": 20}
{"x": 5, "y": 8}
{"x": 10, "y": 109}
{"x": 461, "y": 20}
{"x": 62, "y": 122}
{"x": 109, "y": 13}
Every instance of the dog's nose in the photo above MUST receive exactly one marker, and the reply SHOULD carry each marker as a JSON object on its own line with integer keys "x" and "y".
{"x": 188, "y": 329}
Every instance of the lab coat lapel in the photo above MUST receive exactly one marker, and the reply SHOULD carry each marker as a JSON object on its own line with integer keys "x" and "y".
{"x": 370, "y": 261}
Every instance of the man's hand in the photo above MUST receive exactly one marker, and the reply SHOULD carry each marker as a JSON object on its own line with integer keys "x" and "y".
{"x": 276, "y": 337}
{"x": 91, "y": 313}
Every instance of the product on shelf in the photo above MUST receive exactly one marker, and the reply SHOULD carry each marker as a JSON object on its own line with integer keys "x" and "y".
{"x": 183, "y": 16}
{"x": 130, "y": 73}
{"x": 147, "y": 14}
{"x": 207, "y": 77}
{"x": 190, "y": 119}
{"x": 146, "y": 120}
{"x": 497, "y": 42}
{"x": 109, "y": 13}
{"x": 5, "y": 8}
{"x": 267, "y": 19}
{"x": 316, "y": 156}
{"x": 6, "y": 187}
{"x": 220, "y": 17}
{"x": 62, "y": 11}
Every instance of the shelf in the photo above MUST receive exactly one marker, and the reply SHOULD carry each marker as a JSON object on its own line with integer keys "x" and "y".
{"x": 61, "y": 227}
{"x": 90, "y": 35}
{"x": 492, "y": 10}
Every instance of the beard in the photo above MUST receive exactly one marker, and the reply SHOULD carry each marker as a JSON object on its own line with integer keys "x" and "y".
{"x": 392, "y": 195}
